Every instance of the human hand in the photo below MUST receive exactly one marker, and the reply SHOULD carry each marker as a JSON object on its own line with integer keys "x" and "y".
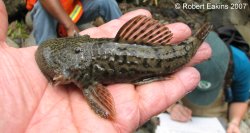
{"x": 233, "y": 128}
{"x": 30, "y": 104}
{"x": 66, "y": 26}
{"x": 179, "y": 112}
{"x": 72, "y": 30}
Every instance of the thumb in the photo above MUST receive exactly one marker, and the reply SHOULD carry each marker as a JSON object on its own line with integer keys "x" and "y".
{"x": 3, "y": 23}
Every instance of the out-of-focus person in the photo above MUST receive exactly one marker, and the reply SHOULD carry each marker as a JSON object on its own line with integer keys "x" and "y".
{"x": 223, "y": 91}
{"x": 53, "y": 18}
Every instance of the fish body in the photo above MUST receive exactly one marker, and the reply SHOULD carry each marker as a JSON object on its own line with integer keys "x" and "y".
{"x": 108, "y": 62}
{"x": 91, "y": 63}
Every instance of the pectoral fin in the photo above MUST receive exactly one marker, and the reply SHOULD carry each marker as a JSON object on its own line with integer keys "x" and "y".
{"x": 100, "y": 100}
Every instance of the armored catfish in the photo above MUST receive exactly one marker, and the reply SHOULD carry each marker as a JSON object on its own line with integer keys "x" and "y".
{"x": 138, "y": 54}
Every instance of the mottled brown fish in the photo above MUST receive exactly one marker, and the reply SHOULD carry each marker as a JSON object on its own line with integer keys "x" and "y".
{"x": 138, "y": 54}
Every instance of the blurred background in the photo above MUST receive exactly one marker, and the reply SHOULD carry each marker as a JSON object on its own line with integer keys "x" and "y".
{"x": 20, "y": 23}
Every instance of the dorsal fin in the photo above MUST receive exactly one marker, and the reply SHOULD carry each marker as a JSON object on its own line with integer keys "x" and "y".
{"x": 144, "y": 30}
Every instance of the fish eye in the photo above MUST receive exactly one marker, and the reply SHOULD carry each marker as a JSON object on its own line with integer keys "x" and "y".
{"x": 78, "y": 49}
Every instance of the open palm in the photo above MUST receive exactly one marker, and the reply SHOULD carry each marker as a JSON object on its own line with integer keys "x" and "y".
{"x": 30, "y": 104}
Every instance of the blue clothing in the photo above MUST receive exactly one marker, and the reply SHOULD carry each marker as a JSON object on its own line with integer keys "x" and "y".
{"x": 241, "y": 76}
{"x": 44, "y": 25}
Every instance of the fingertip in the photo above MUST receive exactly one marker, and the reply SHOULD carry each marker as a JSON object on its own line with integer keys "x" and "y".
{"x": 180, "y": 31}
{"x": 131, "y": 14}
{"x": 204, "y": 53}
{"x": 205, "y": 50}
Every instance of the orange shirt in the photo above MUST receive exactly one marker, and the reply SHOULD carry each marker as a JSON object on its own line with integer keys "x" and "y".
{"x": 73, "y": 7}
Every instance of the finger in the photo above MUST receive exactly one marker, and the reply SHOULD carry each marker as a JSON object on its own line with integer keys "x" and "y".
{"x": 181, "y": 113}
{"x": 180, "y": 116}
{"x": 232, "y": 128}
{"x": 204, "y": 52}
{"x": 229, "y": 130}
{"x": 117, "y": 24}
{"x": 110, "y": 29}
{"x": 160, "y": 95}
{"x": 180, "y": 32}
{"x": 134, "y": 13}
{"x": 186, "y": 114}
{"x": 4, "y": 22}
{"x": 189, "y": 111}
